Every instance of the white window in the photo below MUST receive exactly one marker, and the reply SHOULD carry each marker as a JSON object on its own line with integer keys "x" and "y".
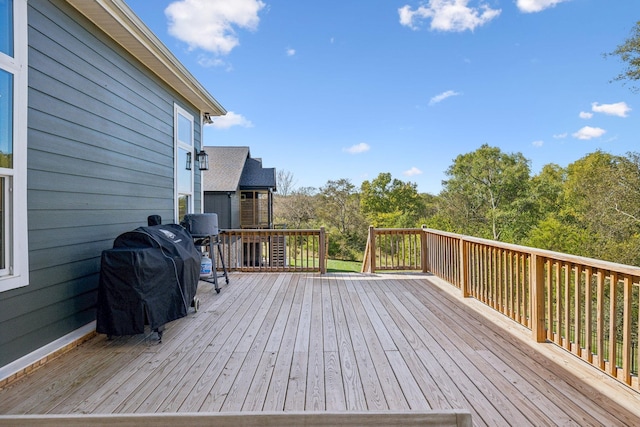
{"x": 14, "y": 252}
{"x": 184, "y": 162}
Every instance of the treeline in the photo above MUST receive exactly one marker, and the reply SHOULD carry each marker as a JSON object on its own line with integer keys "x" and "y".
{"x": 590, "y": 208}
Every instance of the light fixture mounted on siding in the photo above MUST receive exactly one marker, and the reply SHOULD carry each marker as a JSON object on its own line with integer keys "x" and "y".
{"x": 203, "y": 160}
{"x": 201, "y": 157}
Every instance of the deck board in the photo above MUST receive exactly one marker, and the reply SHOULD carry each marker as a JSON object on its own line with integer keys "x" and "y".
{"x": 335, "y": 342}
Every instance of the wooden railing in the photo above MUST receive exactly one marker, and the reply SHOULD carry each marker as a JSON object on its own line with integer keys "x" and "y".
{"x": 273, "y": 250}
{"x": 588, "y": 307}
{"x": 394, "y": 249}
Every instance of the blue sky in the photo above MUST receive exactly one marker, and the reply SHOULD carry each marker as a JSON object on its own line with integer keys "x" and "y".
{"x": 338, "y": 89}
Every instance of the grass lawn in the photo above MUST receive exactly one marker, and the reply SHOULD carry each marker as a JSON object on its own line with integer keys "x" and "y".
{"x": 334, "y": 266}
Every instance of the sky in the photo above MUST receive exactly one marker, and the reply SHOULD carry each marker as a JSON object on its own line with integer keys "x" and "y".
{"x": 348, "y": 89}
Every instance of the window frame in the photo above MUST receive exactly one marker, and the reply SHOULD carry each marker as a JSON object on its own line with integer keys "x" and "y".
{"x": 17, "y": 272}
{"x": 188, "y": 147}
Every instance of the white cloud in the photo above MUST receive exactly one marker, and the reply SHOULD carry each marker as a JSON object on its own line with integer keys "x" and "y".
{"x": 231, "y": 119}
{"x": 444, "y": 95}
{"x": 208, "y": 61}
{"x": 210, "y": 24}
{"x": 620, "y": 109}
{"x": 561, "y": 135}
{"x": 291, "y": 52}
{"x": 585, "y": 115}
{"x": 412, "y": 172}
{"x": 531, "y": 6}
{"x": 447, "y": 15}
{"x": 538, "y": 143}
{"x": 589, "y": 132}
{"x": 358, "y": 148}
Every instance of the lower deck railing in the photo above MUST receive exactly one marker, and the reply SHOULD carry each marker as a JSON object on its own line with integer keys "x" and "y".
{"x": 587, "y": 306}
{"x": 272, "y": 250}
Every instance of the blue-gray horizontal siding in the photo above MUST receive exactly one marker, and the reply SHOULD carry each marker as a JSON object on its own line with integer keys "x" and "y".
{"x": 100, "y": 160}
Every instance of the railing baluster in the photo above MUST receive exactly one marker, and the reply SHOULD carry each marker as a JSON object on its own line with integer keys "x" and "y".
{"x": 588, "y": 320}
{"x": 613, "y": 339}
{"x": 577, "y": 331}
{"x": 626, "y": 330}
{"x": 567, "y": 305}
{"x": 600, "y": 319}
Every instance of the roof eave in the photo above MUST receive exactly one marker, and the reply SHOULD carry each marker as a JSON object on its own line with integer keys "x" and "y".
{"x": 120, "y": 23}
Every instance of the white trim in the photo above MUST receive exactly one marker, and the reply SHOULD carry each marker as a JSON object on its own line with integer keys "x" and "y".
{"x": 188, "y": 146}
{"x": 200, "y": 172}
{"x": 19, "y": 257}
{"x": 35, "y": 356}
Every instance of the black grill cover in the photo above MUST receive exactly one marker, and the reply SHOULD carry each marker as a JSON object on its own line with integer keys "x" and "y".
{"x": 150, "y": 274}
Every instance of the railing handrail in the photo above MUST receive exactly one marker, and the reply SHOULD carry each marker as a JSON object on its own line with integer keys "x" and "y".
{"x": 273, "y": 230}
{"x": 594, "y": 262}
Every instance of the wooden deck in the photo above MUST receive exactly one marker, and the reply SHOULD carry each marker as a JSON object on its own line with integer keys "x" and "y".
{"x": 336, "y": 342}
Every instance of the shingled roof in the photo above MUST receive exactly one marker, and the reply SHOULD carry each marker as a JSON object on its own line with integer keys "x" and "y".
{"x": 232, "y": 169}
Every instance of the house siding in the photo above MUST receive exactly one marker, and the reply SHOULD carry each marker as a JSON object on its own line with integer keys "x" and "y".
{"x": 227, "y": 207}
{"x": 100, "y": 160}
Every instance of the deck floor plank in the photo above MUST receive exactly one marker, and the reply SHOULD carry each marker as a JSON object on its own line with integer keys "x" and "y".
{"x": 465, "y": 356}
{"x": 550, "y": 377}
{"x": 353, "y": 388}
{"x": 526, "y": 396}
{"x": 315, "y": 395}
{"x": 389, "y": 381}
{"x": 284, "y": 346}
{"x": 430, "y": 389}
{"x": 369, "y": 378}
{"x": 336, "y": 342}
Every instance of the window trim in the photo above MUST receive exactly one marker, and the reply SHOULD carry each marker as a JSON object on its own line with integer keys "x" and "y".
{"x": 18, "y": 259}
{"x": 177, "y": 112}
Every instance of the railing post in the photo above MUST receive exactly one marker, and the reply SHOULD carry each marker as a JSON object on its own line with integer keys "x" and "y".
{"x": 464, "y": 268}
{"x": 425, "y": 250}
{"x": 372, "y": 250}
{"x": 537, "y": 298}
{"x": 321, "y": 251}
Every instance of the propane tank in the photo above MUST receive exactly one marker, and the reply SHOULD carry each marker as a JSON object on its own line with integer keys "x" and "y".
{"x": 205, "y": 266}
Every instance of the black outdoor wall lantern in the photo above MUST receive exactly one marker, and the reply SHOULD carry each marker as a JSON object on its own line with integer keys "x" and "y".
{"x": 203, "y": 160}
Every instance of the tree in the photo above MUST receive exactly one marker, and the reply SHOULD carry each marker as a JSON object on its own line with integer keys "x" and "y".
{"x": 284, "y": 182}
{"x": 486, "y": 194}
{"x": 339, "y": 209}
{"x": 391, "y": 203}
{"x": 602, "y": 196}
{"x": 629, "y": 52}
{"x": 298, "y": 209}
{"x": 548, "y": 230}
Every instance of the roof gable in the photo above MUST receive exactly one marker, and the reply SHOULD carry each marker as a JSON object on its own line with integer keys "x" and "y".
{"x": 232, "y": 169}
{"x": 225, "y": 168}
{"x": 254, "y": 176}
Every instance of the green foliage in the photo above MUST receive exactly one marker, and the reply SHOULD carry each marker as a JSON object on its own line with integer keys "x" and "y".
{"x": 344, "y": 266}
{"x": 554, "y": 235}
{"x": 486, "y": 194}
{"x": 391, "y": 203}
{"x": 339, "y": 211}
{"x": 590, "y": 208}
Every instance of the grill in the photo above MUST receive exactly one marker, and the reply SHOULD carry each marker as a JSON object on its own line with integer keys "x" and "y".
{"x": 201, "y": 225}
{"x": 204, "y": 230}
